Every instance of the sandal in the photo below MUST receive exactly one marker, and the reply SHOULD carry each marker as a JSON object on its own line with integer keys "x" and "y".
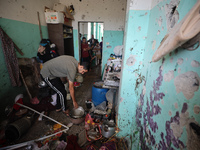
{"x": 66, "y": 112}
{"x": 58, "y": 110}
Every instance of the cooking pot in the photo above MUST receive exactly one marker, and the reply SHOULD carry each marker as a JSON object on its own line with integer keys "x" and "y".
{"x": 108, "y": 128}
{"x": 77, "y": 116}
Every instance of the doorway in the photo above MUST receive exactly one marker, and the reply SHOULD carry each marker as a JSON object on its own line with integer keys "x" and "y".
{"x": 88, "y": 29}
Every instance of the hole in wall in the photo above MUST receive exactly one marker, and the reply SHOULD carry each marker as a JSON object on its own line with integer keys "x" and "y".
{"x": 171, "y": 13}
{"x": 173, "y": 9}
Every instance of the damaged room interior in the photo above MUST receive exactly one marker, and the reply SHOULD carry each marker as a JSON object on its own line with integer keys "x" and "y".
{"x": 99, "y": 74}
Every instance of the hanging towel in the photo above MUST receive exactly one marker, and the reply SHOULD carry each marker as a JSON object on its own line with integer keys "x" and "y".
{"x": 10, "y": 58}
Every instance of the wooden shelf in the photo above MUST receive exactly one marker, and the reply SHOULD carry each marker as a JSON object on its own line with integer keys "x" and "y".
{"x": 56, "y": 35}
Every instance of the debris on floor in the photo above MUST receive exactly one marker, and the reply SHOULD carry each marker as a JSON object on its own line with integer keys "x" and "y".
{"x": 93, "y": 122}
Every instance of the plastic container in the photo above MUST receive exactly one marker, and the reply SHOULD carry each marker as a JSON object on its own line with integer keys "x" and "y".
{"x": 98, "y": 95}
{"x": 88, "y": 104}
{"x": 102, "y": 106}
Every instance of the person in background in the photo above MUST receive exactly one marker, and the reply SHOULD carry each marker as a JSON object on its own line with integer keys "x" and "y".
{"x": 92, "y": 40}
{"x": 54, "y": 69}
{"x": 80, "y": 37}
{"x": 85, "y": 57}
{"x": 101, "y": 44}
{"x": 46, "y": 50}
{"x": 97, "y": 50}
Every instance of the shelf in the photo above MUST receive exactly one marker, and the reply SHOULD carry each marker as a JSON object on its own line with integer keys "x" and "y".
{"x": 67, "y": 37}
{"x": 62, "y": 36}
{"x": 67, "y": 32}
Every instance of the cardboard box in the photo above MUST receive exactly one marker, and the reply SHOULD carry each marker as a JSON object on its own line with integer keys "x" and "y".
{"x": 68, "y": 14}
{"x": 62, "y": 8}
{"x": 54, "y": 17}
{"x": 68, "y": 22}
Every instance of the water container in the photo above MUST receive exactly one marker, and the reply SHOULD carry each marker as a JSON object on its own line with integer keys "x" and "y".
{"x": 98, "y": 94}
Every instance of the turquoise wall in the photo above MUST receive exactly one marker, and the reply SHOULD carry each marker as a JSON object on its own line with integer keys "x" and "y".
{"x": 110, "y": 40}
{"x": 76, "y": 44}
{"x": 134, "y": 42}
{"x": 27, "y": 37}
{"x": 151, "y": 111}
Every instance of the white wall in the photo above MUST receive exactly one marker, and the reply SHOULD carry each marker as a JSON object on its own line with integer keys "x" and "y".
{"x": 139, "y": 4}
{"x": 25, "y": 10}
{"x": 83, "y": 28}
{"x": 142, "y": 4}
{"x": 111, "y": 12}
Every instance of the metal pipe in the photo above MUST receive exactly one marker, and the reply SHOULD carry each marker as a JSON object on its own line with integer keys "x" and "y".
{"x": 29, "y": 142}
{"x": 42, "y": 115}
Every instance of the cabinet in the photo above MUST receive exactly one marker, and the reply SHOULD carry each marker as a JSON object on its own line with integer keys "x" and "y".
{"x": 62, "y": 36}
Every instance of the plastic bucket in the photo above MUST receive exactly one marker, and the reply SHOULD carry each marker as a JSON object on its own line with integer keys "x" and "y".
{"x": 88, "y": 104}
{"x": 98, "y": 95}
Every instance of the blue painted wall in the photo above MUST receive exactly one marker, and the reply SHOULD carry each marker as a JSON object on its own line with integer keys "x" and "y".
{"x": 135, "y": 39}
{"x": 27, "y": 37}
{"x": 76, "y": 44}
{"x": 151, "y": 111}
{"x": 110, "y": 40}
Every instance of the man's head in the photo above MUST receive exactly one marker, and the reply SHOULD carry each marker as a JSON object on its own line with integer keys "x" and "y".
{"x": 92, "y": 36}
{"x": 44, "y": 45}
{"x": 82, "y": 69}
{"x": 84, "y": 40}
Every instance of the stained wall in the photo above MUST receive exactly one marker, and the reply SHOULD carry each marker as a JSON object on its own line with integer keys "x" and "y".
{"x": 19, "y": 20}
{"x": 159, "y": 101}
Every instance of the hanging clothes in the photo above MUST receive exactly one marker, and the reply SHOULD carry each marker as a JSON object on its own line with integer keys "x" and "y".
{"x": 10, "y": 58}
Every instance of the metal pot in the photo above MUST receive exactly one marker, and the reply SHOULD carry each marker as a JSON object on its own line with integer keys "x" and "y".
{"x": 108, "y": 128}
{"x": 77, "y": 116}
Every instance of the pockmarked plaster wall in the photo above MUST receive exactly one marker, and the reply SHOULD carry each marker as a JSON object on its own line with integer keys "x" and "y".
{"x": 18, "y": 18}
{"x": 111, "y": 39}
{"x": 134, "y": 48}
{"x": 25, "y": 11}
{"x": 159, "y": 102}
{"x": 111, "y": 13}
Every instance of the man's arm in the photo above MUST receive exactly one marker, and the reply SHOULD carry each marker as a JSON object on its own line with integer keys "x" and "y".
{"x": 71, "y": 90}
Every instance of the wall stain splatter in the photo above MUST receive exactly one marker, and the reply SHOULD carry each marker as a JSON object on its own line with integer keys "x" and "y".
{"x": 150, "y": 111}
{"x": 195, "y": 63}
{"x": 187, "y": 83}
{"x": 131, "y": 60}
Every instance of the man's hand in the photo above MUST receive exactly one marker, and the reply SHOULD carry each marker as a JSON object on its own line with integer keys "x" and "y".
{"x": 41, "y": 50}
{"x": 71, "y": 90}
{"x": 75, "y": 105}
